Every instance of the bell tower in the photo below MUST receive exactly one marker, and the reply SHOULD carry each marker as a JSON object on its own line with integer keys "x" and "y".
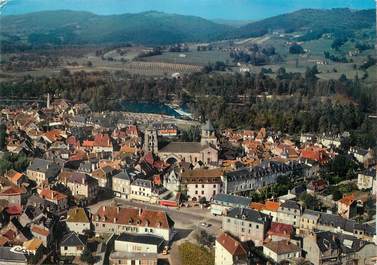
{"x": 150, "y": 141}
{"x": 208, "y": 134}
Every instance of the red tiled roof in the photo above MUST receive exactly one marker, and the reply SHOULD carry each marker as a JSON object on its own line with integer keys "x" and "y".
{"x": 127, "y": 149}
{"x": 272, "y": 206}
{"x": 317, "y": 185}
{"x": 3, "y": 240}
{"x": 13, "y": 175}
{"x": 14, "y": 209}
{"x": 257, "y": 206}
{"x": 133, "y": 216}
{"x": 53, "y": 135}
{"x": 88, "y": 143}
{"x": 72, "y": 140}
{"x": 232, "y": 245}
{"x": 10, "y": 234}
{"x": 313, "y": 153}
{"x": 40, "y": 230}
{"x": 347, "y": 200}
{"x": 268, "y": 206}
{"x": 149, "y": 158}
{"x": 52, "y": 195}
{"x": 261, "y": 134}
{"x": 282, "y": 247}
{"x": 280, "y": 229}
{"x": 102, "y": 140}
{"x": 11, "y": 191}
{"x": 132, "y": 130}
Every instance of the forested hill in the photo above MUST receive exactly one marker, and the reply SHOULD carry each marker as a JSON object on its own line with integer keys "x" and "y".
{"x": 313, "y": 22}
{"x": 157, "y": 28}
{"x": 73, "y": 27}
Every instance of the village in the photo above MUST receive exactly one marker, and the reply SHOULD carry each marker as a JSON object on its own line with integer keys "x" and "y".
{"x": 83, "y": 187}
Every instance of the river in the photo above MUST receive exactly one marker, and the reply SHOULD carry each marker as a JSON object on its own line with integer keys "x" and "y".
{"x": 155, "y": 108}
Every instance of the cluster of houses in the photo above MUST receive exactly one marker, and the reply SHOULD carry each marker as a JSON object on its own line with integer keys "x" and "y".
{"x": 288, "y": 232}
{"x": 78, "y": 159}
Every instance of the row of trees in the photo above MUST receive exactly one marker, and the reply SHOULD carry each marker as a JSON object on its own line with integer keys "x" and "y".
{"x": 295, "y": 102}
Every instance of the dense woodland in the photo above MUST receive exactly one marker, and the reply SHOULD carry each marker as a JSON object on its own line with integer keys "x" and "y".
{"x": 289, "y": 102}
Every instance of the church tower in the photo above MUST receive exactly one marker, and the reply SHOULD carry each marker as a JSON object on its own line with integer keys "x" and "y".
{"x": 150, "y": 141}
{"x": 208, "y": 134}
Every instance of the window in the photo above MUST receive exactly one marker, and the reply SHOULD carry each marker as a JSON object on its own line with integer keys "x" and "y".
{"x": 196, "y": 185}
{"x": 203, "y": 186}
{"x": 202, "y": 192}
{"x": 257, "y": 226}
{"x": 214, "y": 186}
{"x": 65, "y": 248}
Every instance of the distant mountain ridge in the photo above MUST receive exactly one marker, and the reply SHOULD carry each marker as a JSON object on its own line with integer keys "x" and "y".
{"x": 313, "y": 21}
{"x": 157, "y": 28}
{"x": 151, "y": 27}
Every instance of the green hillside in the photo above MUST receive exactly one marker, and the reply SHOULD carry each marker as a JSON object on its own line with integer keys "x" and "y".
{"x": 313, "y": 22}
{"x": 156, "y": 28}
{"x": 60, "y": 27}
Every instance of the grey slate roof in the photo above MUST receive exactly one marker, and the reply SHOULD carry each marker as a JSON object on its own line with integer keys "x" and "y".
{"x": 41, "y": 165}
{"x": 290, "y": 205}
{"x": 122, "y": 175}
{"x": 248, "y": 215}
{"x": 142, "y": 183}
{"x": 340, "y": 242}
{"x": 81, "y": 178}
{"x": 264, "y": 169}
{"x": 310, "y": 214}
{"x": 143, "y": 239}
{"x": 370, "y": 172}
{"x": 72, "y": 239}
{"x": 231, "y": 199}
{"x": 208, "y": 126}
{"x": 10, "y": 257}
{"x": 345, "y": 224}
{"x": 183, "y": 147}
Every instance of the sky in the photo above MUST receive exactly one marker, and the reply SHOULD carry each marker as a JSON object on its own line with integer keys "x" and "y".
{"x": 210, "y": 9}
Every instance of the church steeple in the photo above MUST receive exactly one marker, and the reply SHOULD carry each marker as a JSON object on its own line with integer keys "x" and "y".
{"x": 208, "y": 134}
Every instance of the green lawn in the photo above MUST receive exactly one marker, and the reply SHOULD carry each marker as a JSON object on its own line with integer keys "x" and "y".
{"x": 192, "y": 57}
{"x": 192, "y": 254}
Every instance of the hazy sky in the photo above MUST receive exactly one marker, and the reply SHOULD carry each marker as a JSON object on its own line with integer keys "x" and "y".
{"x": 226, "y": 9}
